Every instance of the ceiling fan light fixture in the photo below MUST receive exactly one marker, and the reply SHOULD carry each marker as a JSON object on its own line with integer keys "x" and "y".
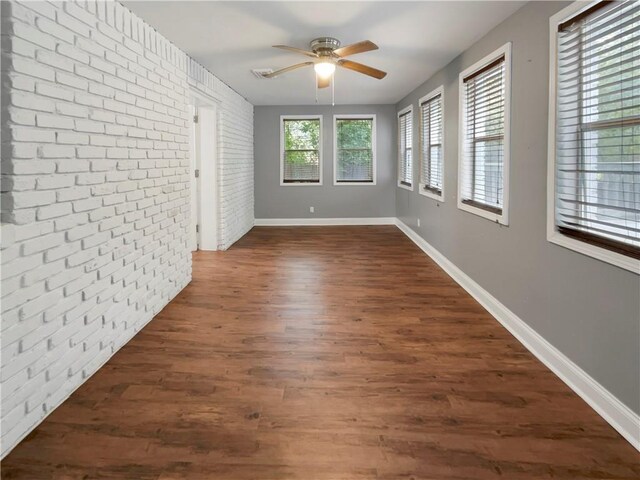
{"x": 327, "y": 54}
{"x": 324, "y": 69}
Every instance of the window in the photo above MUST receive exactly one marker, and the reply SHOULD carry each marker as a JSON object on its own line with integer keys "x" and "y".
{"x": 405, "y": 148}
{"x": 594, "y": 136}
{"x": 484, "y": 137}
{"x": 354, "y": 149}
{"x": 431, "y": 142}
{"x": 301, "y": 150}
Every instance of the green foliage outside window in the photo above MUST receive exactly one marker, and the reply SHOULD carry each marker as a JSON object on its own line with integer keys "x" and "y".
{"x": 354, "y": 138}
{"x": 300, "y": 138}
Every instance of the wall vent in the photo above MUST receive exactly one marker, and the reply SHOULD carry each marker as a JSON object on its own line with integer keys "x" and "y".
{"x": 259, "y": 72}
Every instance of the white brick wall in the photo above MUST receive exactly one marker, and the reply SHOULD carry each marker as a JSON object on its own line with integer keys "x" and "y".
{"x": 95, "y": 182}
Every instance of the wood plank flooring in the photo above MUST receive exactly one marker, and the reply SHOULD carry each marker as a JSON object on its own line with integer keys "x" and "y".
{"x": 323, "y": 353}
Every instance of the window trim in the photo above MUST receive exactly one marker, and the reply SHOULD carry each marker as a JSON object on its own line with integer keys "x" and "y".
{"x": 502, "y": 218}
{"x": 354, "y": 116}
{"x": 553, "y": 235}
{"x": 320, "y": 162}
{"x": 408, "y": 109}
{"x": 421, "y": 187}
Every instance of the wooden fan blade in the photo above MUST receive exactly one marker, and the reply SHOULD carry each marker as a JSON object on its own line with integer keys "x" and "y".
{"x": 324, "y": 82}
{"x": 360, "y": 47}
{"x": 360, "y": 68}
{"x": 286, "y": 69}
{"x": 296, "y": 50}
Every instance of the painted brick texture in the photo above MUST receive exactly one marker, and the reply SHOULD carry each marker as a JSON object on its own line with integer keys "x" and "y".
{"x": 95, "y": 191}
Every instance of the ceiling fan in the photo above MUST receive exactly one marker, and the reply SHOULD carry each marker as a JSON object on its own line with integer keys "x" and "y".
{"x": 327, "y": 54}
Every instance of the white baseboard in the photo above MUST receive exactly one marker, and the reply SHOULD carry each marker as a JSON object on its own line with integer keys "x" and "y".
{"x": 618, "y": 415}
{"x": 289, "y": 222}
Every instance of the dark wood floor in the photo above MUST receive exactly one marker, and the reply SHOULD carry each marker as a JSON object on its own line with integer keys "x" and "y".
{"x": 323, "y": 353}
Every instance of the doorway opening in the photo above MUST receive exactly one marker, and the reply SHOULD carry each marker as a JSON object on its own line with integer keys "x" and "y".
{"x": 204, "y": 181}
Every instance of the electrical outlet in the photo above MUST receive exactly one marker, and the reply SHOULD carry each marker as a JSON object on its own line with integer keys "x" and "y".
{"x": 312, "y": 209}
{"x": 418, "y": 222}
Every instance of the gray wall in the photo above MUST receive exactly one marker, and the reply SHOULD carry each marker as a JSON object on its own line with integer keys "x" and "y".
{"x": 330, "y": 201}
{"x": 588, "y": 309}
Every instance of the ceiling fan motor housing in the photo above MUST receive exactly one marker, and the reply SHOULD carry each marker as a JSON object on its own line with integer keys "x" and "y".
{"x": 324, "y": 45}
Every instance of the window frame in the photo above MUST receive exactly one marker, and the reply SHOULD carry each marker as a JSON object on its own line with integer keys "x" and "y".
{"x": 553, "y": 235}
{"x": 421, "y": 187}
{"x": 503, "y": 217}
{"x": 407, "y": 110}
{"x": 354, "y": 116}
{"x": 320, "y": 159}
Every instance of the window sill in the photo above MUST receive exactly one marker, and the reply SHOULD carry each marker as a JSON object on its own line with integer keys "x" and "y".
{"x": 406, "y": 187}
{"x": 429, "y": 194}
{"x": 502, "y": 218}
{"x": 300, "y": 184}
{"x": 602, "y": 254}
{"x": 335, "y": 183}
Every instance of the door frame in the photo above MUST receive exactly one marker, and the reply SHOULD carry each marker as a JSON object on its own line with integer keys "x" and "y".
{"x": 203, "y": 153}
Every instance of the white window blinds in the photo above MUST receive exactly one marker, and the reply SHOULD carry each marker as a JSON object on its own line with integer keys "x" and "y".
{"x": 301, "y": 150}
{"x": 597, "y": 148}
{"x": 354, "y": 150}
{"x": 405, "y": 153}
{"x": 483, "y": 137}
{"x": 431, "y": 142}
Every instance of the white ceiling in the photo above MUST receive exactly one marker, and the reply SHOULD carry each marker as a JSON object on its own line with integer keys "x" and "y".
{"x": 416, "y": 39}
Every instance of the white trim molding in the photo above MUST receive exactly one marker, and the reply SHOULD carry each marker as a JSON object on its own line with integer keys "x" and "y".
{"x": 281, "y": 153}
{"x": 421, "y": 187}
{"x": 290, "y": 222}
{"x": 363, "y": 116}
{"x": 553, "y": 236}
{"x": 502, "y": 218}
{"x": 618, "y": 415}
{"x": 408, "y": 109}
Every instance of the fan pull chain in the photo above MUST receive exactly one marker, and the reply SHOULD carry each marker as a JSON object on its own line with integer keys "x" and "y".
{"x": 333, "y": 89}
{"x": 316, "y": 84}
